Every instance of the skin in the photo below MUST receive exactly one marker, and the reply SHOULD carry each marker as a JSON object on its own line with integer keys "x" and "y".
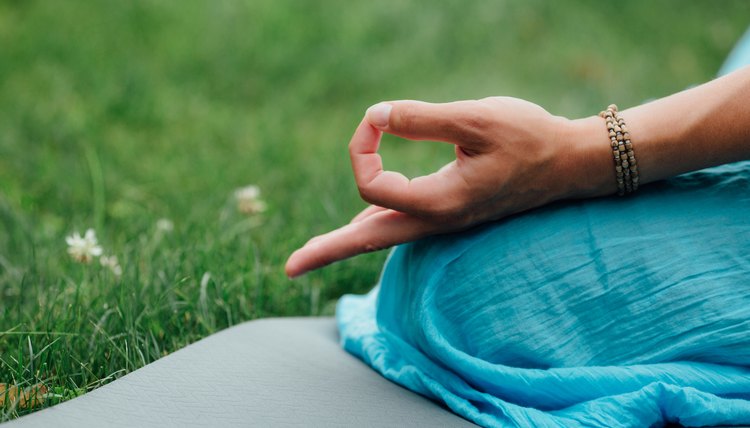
{"x": 512, "y": 156}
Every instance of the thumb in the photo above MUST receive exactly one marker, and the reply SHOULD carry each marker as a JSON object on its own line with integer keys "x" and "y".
{"x": 459, "y": 122}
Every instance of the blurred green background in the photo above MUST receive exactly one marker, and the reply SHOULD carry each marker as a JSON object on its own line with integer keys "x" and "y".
{"x": 116, "y": 114}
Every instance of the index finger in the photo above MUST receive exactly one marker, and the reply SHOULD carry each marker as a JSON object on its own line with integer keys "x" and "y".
{"x": 378, "y": 231}
{"x": 388, "y": 188}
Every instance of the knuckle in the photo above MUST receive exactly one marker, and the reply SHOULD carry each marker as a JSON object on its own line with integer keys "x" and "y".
{"x": 365, "y": 192}
{"x": 474, "y": 120}
{"x": 371, "y": 247}
{"x": 402, "y": 118}
{"x": 371, "y": 244}
{"x": 478, "y": 116}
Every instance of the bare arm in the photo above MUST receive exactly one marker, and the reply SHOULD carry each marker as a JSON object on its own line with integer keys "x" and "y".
{"x": 512, "y": 155}
{"x": 697, "y": 128}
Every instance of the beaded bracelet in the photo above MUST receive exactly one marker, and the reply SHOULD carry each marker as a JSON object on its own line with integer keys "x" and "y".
{"x": 626, "y": 167}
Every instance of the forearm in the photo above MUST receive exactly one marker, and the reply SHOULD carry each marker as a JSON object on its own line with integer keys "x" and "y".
{"x": 697, "y": 128}
{"x": 512, "y": 156}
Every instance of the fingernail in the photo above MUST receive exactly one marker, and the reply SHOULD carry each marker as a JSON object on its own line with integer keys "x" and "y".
{"x": 378, "y": 114}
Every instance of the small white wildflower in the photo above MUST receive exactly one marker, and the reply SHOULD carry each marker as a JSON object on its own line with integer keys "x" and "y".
{"x": 111, "y": 263}
{"x": 164, "y": 225}
{"x": 83, "y": 248}
{"x": 248, "y": 200}
{"x": 248, "y": 192}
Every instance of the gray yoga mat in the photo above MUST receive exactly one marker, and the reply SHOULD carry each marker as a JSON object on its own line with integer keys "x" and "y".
{"x": 271, "y": 372}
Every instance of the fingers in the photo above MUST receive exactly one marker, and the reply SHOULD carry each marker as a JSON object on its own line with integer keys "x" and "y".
{"x": 367, "y": 212}
{"x": 420, "y": 196}
{"x": 403, "y": 210}
{"x": 460, "y": 122}
{"x": 378, "y": 231}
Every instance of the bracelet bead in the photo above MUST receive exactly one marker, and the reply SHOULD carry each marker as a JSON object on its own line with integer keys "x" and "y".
{"x": 626, "y": 167}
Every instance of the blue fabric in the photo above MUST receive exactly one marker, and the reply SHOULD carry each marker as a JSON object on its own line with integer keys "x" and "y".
{"x": 614, "y": 312}
{"x": 625, "y": 312}
{"x": 739, "y": 57}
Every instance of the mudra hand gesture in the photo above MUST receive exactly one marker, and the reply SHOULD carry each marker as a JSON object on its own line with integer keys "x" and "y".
{"x": 510, "y": 156}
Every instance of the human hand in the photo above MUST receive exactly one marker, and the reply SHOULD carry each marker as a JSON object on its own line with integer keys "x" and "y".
{"x": 511, "y": 155}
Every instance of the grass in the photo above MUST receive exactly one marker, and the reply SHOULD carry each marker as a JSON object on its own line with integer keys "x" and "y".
{"x": 114, "y": 115}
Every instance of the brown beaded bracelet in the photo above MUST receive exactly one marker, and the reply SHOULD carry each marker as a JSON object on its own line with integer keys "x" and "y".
{"x": 626, "y": 167}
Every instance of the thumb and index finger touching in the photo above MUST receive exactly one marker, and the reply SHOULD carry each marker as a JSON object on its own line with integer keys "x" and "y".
{"x": 454, "y": 122}
{"x": 395, "y": 196}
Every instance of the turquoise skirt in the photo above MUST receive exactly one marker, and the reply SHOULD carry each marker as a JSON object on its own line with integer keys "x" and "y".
{"x": 627, "y": 312}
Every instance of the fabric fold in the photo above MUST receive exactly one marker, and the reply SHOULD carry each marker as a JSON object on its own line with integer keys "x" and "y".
{"x": 612, "y": 312}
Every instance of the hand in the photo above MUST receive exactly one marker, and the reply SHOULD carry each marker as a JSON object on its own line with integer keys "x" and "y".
{"x": 511, "y": 155}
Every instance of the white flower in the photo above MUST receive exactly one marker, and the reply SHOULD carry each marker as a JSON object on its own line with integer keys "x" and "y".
{"x": 248, "y": 192}
{"x": 83, "y": 248}
{"x": 164, "y": 225}
{"x": 248, "y": 200}
{"x": 111, "y": 263}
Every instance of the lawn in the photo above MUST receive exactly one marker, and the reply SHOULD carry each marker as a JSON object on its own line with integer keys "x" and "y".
{"x": 128, "y": 117}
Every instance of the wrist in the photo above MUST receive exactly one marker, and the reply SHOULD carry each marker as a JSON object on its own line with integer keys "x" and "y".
{"x": 587, "y": 165}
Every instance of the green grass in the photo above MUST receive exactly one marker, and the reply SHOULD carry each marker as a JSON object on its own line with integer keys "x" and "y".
{"x": 116, "y": 114}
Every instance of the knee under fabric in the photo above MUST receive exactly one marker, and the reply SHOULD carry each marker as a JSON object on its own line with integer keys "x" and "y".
{"x": 608, "y": 312}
